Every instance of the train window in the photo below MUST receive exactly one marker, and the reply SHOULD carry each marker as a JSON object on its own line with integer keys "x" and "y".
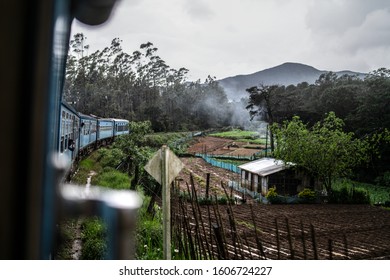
{"x": 62, "y": 144}
{"x": 71, "y": 145}
{"x": 66, "y": 142}
{"x": 62, "y": 127}
{"x": 76, "y": 125}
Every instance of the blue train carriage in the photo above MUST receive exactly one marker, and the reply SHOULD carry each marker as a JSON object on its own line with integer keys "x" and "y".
{"x": 105, "y": 131}
{"x": 68, "y": 145}
{"x": 88, "y": 133}
{"x": 121, "y": 127}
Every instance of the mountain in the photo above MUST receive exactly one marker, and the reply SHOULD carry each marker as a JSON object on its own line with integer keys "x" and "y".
{"x": 285, "y": 74}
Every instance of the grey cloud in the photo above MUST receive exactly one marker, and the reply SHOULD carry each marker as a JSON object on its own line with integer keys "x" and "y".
{"x": 374, "y": 32}
{"x": 198, "y": 9}
{"x": 350, "y": 30}
{"x": 338, "y": 16}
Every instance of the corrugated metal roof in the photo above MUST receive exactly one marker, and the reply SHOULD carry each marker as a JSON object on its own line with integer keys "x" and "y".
{"x": 264, "y": 166}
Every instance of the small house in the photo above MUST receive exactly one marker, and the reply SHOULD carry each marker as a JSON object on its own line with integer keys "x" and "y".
{"x": 262, "y": 174}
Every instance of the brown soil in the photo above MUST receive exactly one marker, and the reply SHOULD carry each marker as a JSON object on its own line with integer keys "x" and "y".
{"x": 222, "y": 146}
{"x": 315, "y": 231}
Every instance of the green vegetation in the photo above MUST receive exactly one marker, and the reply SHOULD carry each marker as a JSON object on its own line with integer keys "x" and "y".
{"x": 93, "y": 237}
{"x": 112, "y": 179}
{"x": 344, "y": 191}
{"x": 272, "y": 195}
{"x": 176, "y": 141}
{"x": 149, "y": 231}
{"x": 323, "y": 150}
{"x": 250, "y": 137}
{"x": 237, "y": 134}
{"x": 84, "y": 169}
{"x": 376, "y": 194}
{"x": 110, "y": 157}
{"x": 307, "y": 195}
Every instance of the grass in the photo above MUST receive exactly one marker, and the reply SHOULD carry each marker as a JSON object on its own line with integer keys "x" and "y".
{"x": 251, "y": 137}
{"x": 149, "y": 231}
{"x": 85, "y": 167}
{"x": 112, "y": 179}
{"x": 93, "y": 237}
{"x": 237, "y": 134}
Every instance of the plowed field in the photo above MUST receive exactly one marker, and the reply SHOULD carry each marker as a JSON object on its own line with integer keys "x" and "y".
{"x": 300, "y": 231}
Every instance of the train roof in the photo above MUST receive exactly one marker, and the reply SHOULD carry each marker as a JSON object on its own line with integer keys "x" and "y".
{"x": 83, "y": 116}
{"x": 105, "y": 119}
{"x": 120, "y": 120}
{"x": 69, "y": 107}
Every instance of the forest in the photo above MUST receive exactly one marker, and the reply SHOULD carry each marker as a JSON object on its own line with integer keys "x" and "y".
{"x": 141, "y": 86}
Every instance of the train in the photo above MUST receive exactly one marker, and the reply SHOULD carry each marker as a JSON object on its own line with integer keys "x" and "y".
{"x": 80, "y": 133}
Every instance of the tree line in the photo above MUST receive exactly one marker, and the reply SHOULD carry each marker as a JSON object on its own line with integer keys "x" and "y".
{"x": 338, "y": 122}
{"x": 140, "y": 86}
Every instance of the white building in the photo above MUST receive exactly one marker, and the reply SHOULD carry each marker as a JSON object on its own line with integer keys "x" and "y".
{"x": 262, "y": 174}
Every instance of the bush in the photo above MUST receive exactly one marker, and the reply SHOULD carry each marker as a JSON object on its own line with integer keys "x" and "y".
{"x": 307, "y": 195}
{"x": 273, "y": 197}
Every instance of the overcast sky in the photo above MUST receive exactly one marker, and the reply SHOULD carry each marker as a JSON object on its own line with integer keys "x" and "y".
{"x": 224, "y": 38}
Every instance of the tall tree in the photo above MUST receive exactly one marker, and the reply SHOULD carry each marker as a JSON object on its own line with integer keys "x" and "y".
{"x": 263, "y": 102}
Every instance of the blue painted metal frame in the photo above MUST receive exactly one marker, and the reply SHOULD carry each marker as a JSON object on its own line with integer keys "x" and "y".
{"x": 60, "y": 38}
